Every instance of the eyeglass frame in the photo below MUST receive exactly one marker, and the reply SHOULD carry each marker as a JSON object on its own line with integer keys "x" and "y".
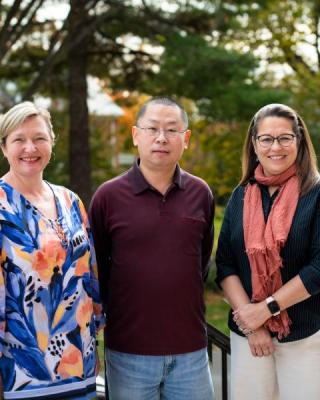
{"x": 292, "y": 135}
{"x": 158, "y": 132}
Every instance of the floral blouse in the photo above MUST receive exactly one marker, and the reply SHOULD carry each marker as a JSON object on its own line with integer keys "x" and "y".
{"x": 49, "y": 298}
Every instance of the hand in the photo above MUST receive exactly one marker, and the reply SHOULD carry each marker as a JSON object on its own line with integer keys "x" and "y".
{"x": 251, "y": 316}
{"x": 261, "y": 343}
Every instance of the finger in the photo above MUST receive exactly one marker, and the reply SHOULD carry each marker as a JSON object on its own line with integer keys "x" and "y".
{"x": 266, "y": 351}
{"x": 247, "y": 331}
{"x": 253, "y": 351}
{"x": 259, "y": 351}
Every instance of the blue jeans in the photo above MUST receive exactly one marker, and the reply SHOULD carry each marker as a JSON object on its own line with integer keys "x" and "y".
{"x": 175, "y": 377}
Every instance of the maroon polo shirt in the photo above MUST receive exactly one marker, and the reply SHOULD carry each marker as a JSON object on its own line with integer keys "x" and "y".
{"x": 153, "y": 254}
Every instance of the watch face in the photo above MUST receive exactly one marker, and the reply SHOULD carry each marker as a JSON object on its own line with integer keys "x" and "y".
{"x": 273, "y": 307}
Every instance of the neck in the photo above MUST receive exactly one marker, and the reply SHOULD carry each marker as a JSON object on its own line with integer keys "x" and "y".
{"x": 160, "y": 179}
{"x": 31, "y": 186}
{"x": 272, "y": 189}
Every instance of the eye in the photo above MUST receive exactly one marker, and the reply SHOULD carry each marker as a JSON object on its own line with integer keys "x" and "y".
{"x": 265, "y": 139}
{"x": 41, "y": 138}
{"x": 17, "y": 140}
{"x": 152, "y": 129}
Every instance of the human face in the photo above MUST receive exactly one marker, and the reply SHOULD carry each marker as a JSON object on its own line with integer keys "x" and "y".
{"x": 160, "y": 152}
{"x": 28, "y": 147}
{"x": 275, "y": 159}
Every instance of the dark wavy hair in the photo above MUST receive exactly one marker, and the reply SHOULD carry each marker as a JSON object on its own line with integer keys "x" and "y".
{"x": 306, "y": 161}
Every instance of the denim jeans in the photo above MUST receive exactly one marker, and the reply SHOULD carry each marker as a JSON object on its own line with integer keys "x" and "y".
{"x": 172, "y": 377}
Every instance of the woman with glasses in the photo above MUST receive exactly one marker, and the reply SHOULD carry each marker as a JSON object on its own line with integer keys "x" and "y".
{"x": 268, "y": 262}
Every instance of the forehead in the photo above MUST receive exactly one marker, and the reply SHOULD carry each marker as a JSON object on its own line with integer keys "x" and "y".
{"x": 32, "y": 124}
{"x": 162, "y": 113}
{"x": 272, "y": 123}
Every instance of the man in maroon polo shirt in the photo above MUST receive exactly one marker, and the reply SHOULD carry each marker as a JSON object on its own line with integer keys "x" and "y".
{"x": 153, "y": 234}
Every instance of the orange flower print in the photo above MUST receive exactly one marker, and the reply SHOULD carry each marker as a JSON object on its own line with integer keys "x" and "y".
{"x": 71, "y": 363}
{"x": 82, "y": 265}
{"x": 50, "y": 255}
{"x": 84, "y": 312}
{"x": 3, "y": 194}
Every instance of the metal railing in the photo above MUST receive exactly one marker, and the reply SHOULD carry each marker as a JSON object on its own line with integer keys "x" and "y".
{"x": 222, "y": 342}
{"x": 215, "y": 338}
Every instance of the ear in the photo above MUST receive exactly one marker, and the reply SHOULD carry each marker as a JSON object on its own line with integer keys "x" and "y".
{"x": 187, "y": 138}
{"x": 134, "y": 133}
{"x": 3, "y": 148}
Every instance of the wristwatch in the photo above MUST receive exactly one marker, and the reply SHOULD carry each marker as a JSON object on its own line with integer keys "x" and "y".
{"x": 273, "y": 306}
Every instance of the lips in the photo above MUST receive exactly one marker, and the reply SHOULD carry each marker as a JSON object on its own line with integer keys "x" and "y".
{"x": 29, "y": 159}
{"x": 161, "y": 151}
{"x": 276, "y": 157}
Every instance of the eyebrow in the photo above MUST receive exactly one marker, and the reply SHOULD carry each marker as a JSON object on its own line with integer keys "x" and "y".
{"x": 281, "y": 133}
{"x": 152, "y": 120}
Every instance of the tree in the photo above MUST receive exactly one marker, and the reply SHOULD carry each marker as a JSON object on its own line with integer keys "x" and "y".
{"x": 97, "y": 37}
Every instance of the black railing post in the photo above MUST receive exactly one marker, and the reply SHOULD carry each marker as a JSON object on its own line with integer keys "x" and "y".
{"x": 222, "y": 341}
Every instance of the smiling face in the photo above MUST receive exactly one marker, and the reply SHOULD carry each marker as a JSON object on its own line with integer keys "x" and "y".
{"x": 28, "y": 147}
{"x": 275, "y": 159}
{"x": 160, "y": 152}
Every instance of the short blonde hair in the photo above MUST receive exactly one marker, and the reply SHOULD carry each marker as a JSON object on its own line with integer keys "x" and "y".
{"x": 16, "y": 115}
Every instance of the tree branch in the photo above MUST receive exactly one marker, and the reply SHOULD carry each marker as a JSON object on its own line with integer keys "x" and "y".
{"x": 6, "y": 31}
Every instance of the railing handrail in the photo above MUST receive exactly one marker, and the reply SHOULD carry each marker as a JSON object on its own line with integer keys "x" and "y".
{"x": 222, "y": 341}
{"x": 218, "y": 338}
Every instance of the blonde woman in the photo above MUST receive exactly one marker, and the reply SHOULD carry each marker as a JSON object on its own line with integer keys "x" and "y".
{"x": 49, "y": 300}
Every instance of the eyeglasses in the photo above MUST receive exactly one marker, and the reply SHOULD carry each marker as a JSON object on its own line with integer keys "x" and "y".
{"x": 267, "y": 141}
{"x": 155, "y": 132}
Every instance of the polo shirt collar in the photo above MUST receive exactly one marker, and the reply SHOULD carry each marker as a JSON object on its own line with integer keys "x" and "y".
{"x": 140, "y": 184}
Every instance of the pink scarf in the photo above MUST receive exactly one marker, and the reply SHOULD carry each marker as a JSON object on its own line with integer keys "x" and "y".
{"x": 263, "y": 242}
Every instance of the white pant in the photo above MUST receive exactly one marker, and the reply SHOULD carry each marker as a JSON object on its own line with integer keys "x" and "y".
{"x": 292, "y": 372}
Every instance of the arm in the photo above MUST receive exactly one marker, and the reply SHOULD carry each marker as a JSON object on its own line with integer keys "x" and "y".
{"x": 2, "y": 305}
{"x": 102, "y": 243}
{"x": 260, "y": 342}
{"x": 97, "y": 307}
{"x": 253, "y": 316}
{"x": 2, "y": 317}
{"x": 207, "y": 242}
{"x": 302, "y": 286}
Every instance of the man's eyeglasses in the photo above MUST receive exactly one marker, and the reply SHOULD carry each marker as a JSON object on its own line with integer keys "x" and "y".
{"x": 155, "y": 132}
{"x": 267, "y": 141}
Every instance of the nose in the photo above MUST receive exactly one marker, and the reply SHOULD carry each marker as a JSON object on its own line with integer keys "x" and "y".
{"x": 276, "y": 144}
{"x": 30, "y": 145}
{"x": 161, "y": 138}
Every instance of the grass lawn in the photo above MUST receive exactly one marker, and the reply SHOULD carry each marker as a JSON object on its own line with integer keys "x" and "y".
{"x": 217, "y": 311}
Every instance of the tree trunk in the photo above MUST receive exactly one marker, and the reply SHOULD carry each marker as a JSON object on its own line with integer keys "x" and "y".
{"x": 79, "y": 147}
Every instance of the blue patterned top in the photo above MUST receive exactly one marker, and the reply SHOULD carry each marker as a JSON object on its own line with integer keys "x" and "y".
{"x": 49, "y": 298}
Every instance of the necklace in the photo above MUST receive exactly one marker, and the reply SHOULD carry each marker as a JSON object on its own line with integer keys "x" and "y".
{"x": 58, "y": 229}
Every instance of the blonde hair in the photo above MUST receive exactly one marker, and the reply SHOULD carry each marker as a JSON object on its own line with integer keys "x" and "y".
{"x": 16, "y": 115}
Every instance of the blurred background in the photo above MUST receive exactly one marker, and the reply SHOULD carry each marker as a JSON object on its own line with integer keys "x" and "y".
{"x": 93, "y": 62}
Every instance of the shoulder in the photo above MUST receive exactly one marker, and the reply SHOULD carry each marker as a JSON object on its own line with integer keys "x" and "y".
{"x": 112, "y": 185}
{"x": 65, "y": 195}
{"x": 237, "y": 196}
{"x": 313, "y": 192}
{"x": 62, "y": 190}
{"x": 194, "y": 181}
